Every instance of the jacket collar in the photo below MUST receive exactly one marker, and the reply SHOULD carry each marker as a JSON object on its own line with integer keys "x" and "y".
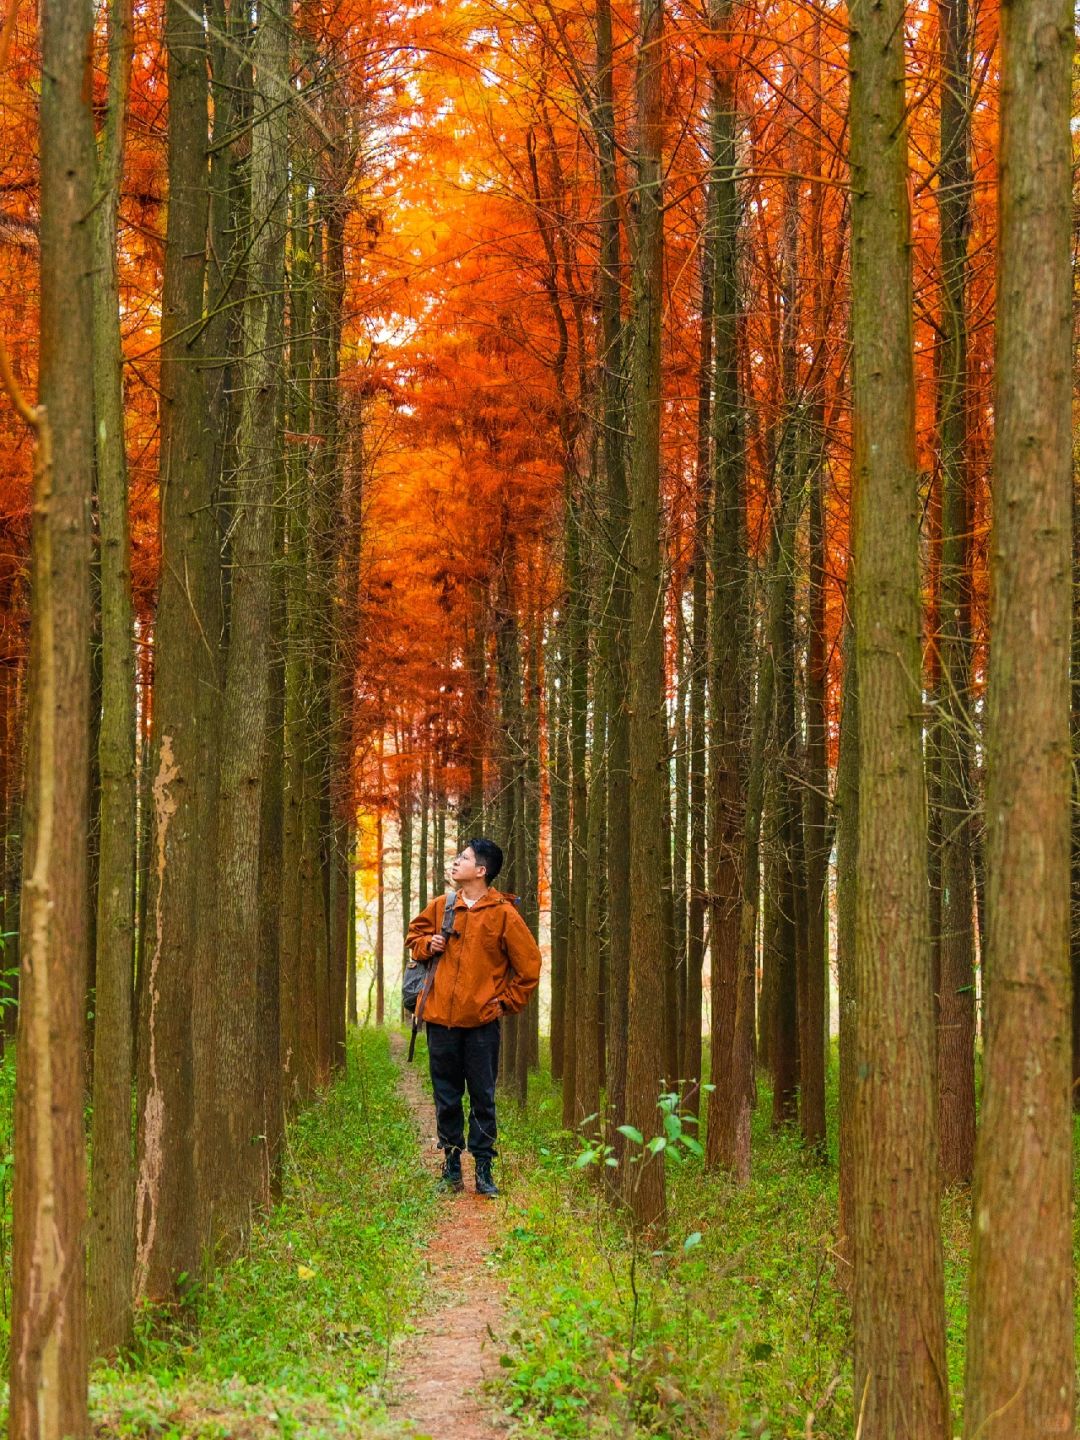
{"x": 493, "y": 897}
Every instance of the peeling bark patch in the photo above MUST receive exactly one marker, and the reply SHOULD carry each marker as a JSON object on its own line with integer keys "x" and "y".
{"x": 149, "y": 1181}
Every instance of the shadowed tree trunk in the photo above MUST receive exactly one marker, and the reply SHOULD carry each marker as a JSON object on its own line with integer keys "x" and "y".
{"x": 847, "y": 879}
{"x": 644, "y": 1183}
{"x": 899, "y": 1315}
{"x": 698, "y": 662}
{"x": 577, "y": 694}
{"x": 48, "y": 1354}
{"x": 112, "y": 1234}
{"x": 1020, "y": 1378}
{"x": 230, "y": 1167}
{"x": 956, "y": 1003}
{"x": 560, "y": 850}
{"x": 617, "y": 610}
{"x": 186, "y": 685}
{"x": 814, "y": 1028}
{"x": 731, "y": 1064}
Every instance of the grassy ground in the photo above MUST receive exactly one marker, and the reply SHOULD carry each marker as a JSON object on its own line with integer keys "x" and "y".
{"x": 740, "y": 1333}
{"x": 735, "y": 1328}
{"x": 293, "y": 1338}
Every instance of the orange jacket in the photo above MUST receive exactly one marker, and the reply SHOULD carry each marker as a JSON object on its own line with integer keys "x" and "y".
{"x": 489, "y": 968}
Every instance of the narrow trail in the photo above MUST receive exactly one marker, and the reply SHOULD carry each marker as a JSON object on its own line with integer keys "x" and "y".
{"x": 442, "y": 1366}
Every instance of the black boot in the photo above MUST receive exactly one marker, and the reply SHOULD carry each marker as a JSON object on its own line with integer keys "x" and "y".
{"x": 451, "y": 1177}
{"x": 485, "y": 1185}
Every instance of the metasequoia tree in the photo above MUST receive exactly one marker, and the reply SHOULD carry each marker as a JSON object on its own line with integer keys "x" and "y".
{"x": 186, "y": 682}
{"x": 233, "y": 1165}
{"x": 1020, "y": 1378}
{"x": 112, "y": 1177}
{"x": 956, "y": 980}
{"x": 644, "y": 1180}
{"x": 733, "y": 908}
{"x": 48, "y": 1348}
{"x": 900, "y": 1375}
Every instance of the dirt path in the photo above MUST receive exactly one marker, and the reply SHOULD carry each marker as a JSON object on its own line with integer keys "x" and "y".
{"x": 452, "y": 1352}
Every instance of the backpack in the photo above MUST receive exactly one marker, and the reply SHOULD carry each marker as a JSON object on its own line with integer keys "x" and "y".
{"x": 420, "y": 974}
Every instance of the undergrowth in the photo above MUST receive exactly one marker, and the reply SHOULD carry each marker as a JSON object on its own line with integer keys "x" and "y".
{"x": 736, "y": 1327}
{"x": 293, "y": 1338}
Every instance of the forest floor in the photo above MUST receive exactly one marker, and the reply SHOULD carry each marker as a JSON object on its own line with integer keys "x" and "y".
{"x": 447, "y": 1364}
{"x": 369, "y": 1306}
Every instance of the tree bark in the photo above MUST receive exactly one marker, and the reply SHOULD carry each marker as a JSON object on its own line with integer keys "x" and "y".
{"x": 112, "y": 1234}
{"x": 615, "y": 635}
{"x": 731, "y": 1064}
{"x": 698, "y": 661}
{"x": 230, "y": 1165}
{"x": 48, "y": 1352}
{"x": 559, "y": 780}
{"x": 900, "y": 1375}
{"x": 956, "y": 1003}
{"x": 1020, "y": 1377}
{"x": 649, "y": 787}
{"x": 847, "y": 880}
{"x": 186, "y": 684}
{"x": 578, "y": 697}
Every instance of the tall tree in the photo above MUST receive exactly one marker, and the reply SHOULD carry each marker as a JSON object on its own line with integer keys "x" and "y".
{"x": 956, "y": 1002}
{"x": 231, "y": 1159}
{"x": 899, "y": 1314}
{"x": 1021, "y": 1373}
{"x": 617, "y": 611}
{"x": 731, "y": 1050}
{"x": 649, "y": 832}
{"x": 48, "y": 1375}
{"x": 112, "y": 1232}
{"x": 186, "y": 684}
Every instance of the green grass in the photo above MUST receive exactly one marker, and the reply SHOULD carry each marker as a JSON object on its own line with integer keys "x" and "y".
{"x": 293, "y": 1338}
{"x": 744, "y": 1334}
{"x": 740, "y": 1333}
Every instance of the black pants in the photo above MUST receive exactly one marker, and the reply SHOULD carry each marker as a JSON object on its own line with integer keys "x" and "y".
{"x": 460, "y": 1058}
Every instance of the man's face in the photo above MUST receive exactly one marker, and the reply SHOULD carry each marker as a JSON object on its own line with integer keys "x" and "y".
{"x": 465, "y": 867}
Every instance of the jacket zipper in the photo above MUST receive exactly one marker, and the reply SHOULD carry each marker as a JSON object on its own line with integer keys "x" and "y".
{"x": 457, "y": 972}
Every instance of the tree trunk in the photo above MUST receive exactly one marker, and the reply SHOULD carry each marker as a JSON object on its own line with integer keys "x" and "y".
{"x": 48, "y": 1375}
{"x": 425, "y": 796}
{"x": 230, "y": 1163}
{"x": 900, "y": 1375}
{"x": 731, "y": 1064}
{"x": 186, "y": 685}
{"x": 270, "y": 1080}
{"x": 814, "y": 1036}
{"x": 649, "y": 787}
{"x": 847, "y": 880}
{"x": 112, "y": 1233}
{"x": 293, "y": 992}
{"x": 956, "y": 1005}
{"x": 585, "y": 795}
{"x": 380, "y": 925}
{"x": 680, "y": 849}
{"x": 578, "y": 697}
{"x": 615, "y": 635}
{"x": 699, "y": 661}
{"x": 1020, "y": 1362}
{"x": 557, "y": 710}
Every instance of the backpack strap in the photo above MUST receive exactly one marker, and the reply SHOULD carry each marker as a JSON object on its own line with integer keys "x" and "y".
{"x": 446, "y": 930}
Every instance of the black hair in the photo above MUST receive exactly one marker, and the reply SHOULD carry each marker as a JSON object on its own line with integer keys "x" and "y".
{"x": 487, "y": 854}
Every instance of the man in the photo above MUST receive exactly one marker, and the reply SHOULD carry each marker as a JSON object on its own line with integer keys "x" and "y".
{"x": 490, "y": 967}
